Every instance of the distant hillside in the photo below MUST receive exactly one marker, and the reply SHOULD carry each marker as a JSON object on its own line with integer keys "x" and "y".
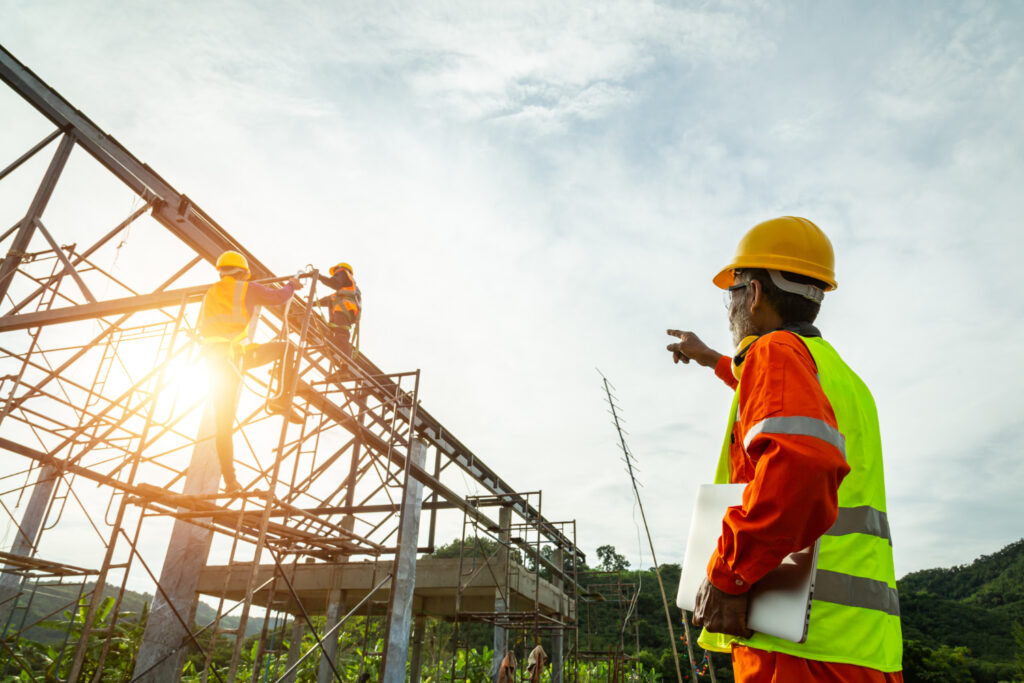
{"x": 973, "y": 606}
{"x": 51, "y": 601}
{"x": 989, "y": 581}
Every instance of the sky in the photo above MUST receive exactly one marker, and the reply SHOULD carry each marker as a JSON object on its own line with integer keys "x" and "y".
{"x": 532, "y": 191}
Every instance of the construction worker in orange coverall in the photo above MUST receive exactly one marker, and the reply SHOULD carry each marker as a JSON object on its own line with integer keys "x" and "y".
{"x": 803, "y": 436}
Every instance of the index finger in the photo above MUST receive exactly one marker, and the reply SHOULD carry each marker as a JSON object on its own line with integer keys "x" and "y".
{"x": 675, "y": 333}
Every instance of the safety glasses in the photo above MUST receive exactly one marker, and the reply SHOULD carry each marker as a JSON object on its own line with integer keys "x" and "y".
{"x": 727, "y": 294}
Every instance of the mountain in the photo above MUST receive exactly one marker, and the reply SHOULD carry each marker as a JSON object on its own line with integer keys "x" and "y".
{"x": 973, "y": 606}
{"x": 50, "y": 602}
{"x": 990, "y": 581}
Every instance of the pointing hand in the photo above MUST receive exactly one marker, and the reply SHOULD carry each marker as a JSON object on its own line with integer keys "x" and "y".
{"x": 690, "y": 347}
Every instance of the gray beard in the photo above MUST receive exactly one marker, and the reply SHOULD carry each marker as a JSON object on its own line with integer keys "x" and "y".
{"x": 740, "y": 325}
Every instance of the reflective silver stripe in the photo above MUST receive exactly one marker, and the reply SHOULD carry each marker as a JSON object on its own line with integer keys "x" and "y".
{"x": 856, "y": 591}
{"x": 861, "y": 520}
{"x": 238, "y": 305}
{"x": 804, "y": 426}
{"x": 237, "y": 314}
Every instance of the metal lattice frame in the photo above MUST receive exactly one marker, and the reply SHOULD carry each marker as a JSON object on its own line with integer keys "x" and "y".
{"x": 604, "y": 592}
{"x": 94, "y": 368}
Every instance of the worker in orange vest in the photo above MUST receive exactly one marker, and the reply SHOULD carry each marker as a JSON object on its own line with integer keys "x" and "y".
{"x": 345, "y": 303}
{"x": 223, "y": 330}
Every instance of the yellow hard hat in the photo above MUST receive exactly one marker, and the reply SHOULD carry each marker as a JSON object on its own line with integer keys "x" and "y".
{"x": 232, "y": 259}
{"x": 336, "y": 268}
{"x": 790, "y": 244}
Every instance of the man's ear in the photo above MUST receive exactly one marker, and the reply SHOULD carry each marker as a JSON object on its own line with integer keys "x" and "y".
{"x": 756, "y": 295}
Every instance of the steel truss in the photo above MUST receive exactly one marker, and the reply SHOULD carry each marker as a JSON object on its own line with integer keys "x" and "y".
{"x": 114, "y": 441}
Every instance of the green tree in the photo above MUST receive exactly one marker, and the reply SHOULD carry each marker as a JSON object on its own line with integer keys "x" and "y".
{"x": 945, "y": 664}
{"x": 1018, "y": 655}
{"x": 610, "y": 560}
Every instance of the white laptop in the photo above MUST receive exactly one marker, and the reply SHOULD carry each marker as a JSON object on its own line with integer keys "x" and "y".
{"x": 780, "y": 603}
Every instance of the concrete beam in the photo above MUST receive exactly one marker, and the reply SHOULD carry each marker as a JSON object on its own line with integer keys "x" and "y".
{"x": 434, "y": 593}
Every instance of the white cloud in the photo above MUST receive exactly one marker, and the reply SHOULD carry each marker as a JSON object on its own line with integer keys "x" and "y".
{"x": 532, "y": 190}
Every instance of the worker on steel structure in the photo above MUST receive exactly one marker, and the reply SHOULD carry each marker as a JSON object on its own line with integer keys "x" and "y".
{"x": 224, "y": 330}
{"x": 803, "y": 435}
{"x": 346, "y": 304}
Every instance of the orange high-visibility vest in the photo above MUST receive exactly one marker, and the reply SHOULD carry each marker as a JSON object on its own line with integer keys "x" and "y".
{"x": 347, "y": 299}
{"x": 223, "y": 316}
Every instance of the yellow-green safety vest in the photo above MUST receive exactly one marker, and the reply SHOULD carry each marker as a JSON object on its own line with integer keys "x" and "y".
{"x": 855, "y": 612}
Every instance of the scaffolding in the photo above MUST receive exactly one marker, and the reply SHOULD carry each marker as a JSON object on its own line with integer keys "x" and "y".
{"x": 607, "y": 591}
{"x": 103, "y": 403}
{"x": 528, "y": 600}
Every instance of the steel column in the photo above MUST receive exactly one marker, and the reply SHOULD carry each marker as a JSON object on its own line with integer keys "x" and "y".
{"x": 500, "y": 604}
{"x": 558, "y": 635}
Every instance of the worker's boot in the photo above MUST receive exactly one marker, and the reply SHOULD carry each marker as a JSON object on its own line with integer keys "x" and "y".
{"x": 282, "y": 407}
{"x": 339, "y": 374}
{"x": 230, "y": 483}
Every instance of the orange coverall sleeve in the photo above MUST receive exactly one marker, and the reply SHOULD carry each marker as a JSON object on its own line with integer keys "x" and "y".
{"x": 723, "y": 369}
{"x": 792, "y": 478}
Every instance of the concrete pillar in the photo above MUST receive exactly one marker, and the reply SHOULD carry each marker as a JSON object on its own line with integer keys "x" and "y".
{"x": 335, "y": 610}
{"x": 161, "y": 651}
{"x": 28, "y": 533}
{"x": 294, "y": 648}
{"x": 403, "y": 581}
{"x": 558, "y": 635}
{"x": 415, "y": 665}
{"x": 500, "y": 635}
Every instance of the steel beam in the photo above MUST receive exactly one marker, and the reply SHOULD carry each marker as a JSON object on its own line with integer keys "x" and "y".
{"x": 28, "y": 224}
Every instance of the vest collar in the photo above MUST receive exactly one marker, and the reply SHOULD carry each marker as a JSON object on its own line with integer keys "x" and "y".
{"x": 803, "y": 329}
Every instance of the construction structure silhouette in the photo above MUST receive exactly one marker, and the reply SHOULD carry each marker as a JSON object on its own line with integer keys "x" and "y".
{"x": 111, "y": 476}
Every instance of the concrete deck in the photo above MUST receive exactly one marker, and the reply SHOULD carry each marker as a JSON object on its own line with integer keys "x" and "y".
{"x": 434, "y": 593}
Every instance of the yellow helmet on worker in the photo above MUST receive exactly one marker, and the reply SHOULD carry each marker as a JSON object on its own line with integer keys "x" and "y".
{"x": 789, "y": 244}
{"x": 339, "y": 266}
{"x": 232, "y": 259}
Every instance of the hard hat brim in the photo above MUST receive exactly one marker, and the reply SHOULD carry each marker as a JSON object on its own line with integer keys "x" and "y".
{"x": 789, "y": 244}
{"x": 727, "y": 276}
